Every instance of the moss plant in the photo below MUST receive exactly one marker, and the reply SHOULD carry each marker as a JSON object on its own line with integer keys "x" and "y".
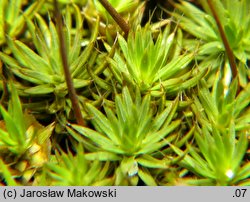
{"x": 130, "y": 134}
{"x": 91, "y": 94}
{"x": 155, "y": 65}
{"x": 221, "y": 31}
{"x": 42, "y": 70}
{"x": 25, "y": 144}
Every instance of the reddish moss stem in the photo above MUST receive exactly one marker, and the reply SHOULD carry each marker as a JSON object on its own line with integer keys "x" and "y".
{"x": 228, "y": 49}
{"x": 116, "y": 16}
{"x": 69, "y": 81}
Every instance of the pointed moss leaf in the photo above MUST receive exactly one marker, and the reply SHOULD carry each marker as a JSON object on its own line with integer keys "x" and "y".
{"x": 218, "y": 141}
{"x": 196, "y": 77}
{"x": 35, "y": 37}
{"x": 103, "y": 123}
{"x": 9, "y": 60}
{"x": 243, "y": 173}
{"x": 193, "y": 165}
{"x": 16, "y": 111}
{"x": 40, "y": 89}
{"x": 12, "y": 128}
{"x": 33, "y": 61}
{"x": 92, "y": 173}
{"x": 7, "y": 174}
{"x": 42, "y": 77}
{"x": 148, "y": 148}
{"x": 16, "y": 52}
{"x": 79, "y": 83}
{"x": 206, "y": 148}
{"x": 146, "y": 177}
{"x": 240, "y": 150}
{"x": 2, "y": 16}
{"x": 162, "y": 133}
{"x": 98, "y": 138}
{"x": 59, "y": 173}
{"x": 151, "y": 162}
{"x": 231, "y": 35}
{"x": 29, "y": 12}
{"x": 210, "y": 47}
{"x": 232, "y": 92}
{"x": 121, "y": 110}
{"x": 77, "y": 66}
{"x": 207, "y": 164}
{"x": 45, "y": 133}
{"x": 174, "y": 107}
{"x": 76, "y": 47}
{"x": 123, "y": 45}
{"x": 61, "y": 87}
{"x": 21, "y": 74}
{"x": 13, "y": 11}
{"x": 161, "y": 118}
{"x": 5, "y": 139}
{"x": 102, "y": 156}
{"x": 173, "y": 67}
{"x": 54, "y": 49}
{"x": 144, "y": 113}
{"x": 115, "y": 125}
{"x": 229, "y": 140}
{"x": 127, "y": 100}
{"x": 43, "y": 37}
{"x": 171, "y": 85}
{"x": 208, "y": 103}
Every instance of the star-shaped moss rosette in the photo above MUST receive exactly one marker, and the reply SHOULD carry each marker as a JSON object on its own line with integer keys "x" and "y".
{"x": 202, "y": 26}
{"x": 68, "y": 169}
{"x": 154, "y": 63}
{"x": 219, "y": 158}
{"x": 222, "y": 105}
{"x": 222, "y": 133}
{"x": 130, "y": 134}
{"x": 40, "y": 69}
{"x": 24, "y": 143}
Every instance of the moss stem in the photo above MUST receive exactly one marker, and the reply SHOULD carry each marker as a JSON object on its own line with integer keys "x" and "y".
{"x": 116, "y": 16}
{"x": 69, "y": 81}
{"x": 228, "y": 49}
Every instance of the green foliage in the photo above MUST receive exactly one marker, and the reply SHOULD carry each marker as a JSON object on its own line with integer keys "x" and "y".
{"x": 44, "y": 68}
{"x": 202, "y": 25}
{"x": 160, "y": 105}
{"x": 12, "y": 18}
{"x": 7, "y": 174}
{"x": 220, "y": 158}
{"x": 130, "y": 132}
{"x": 153, "y": 65}
{"x": 221, "y": 134}
{"x": 120, "y": 6}
{"x": 76, "y": 170}
{"x": 20, "y": 131}
{"x": 14, "y": 138}
{"x": 24, "y": 143}
{"x": 222, "y": 106}
{"x": 234, "y": 17}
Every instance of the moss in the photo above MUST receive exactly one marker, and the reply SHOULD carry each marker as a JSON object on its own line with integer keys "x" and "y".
{"x": 145, "y": 99}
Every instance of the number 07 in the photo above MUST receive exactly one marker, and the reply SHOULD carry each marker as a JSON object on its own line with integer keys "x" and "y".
{"x": 240, "y": 192}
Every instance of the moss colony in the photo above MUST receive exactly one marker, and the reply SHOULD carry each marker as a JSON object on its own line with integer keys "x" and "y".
{"x": 126, "y": 93}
